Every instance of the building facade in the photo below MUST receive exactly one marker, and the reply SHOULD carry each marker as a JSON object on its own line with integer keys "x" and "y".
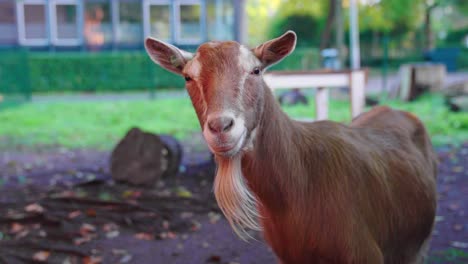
{"x": 116, "y": 24}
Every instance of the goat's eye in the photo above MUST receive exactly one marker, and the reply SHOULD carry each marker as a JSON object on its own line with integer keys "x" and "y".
{"x": 187, "y": 78}
{"x": 256, "y": 71}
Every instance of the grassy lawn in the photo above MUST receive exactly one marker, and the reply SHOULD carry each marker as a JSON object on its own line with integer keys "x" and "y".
{"x": 101, "y": 124}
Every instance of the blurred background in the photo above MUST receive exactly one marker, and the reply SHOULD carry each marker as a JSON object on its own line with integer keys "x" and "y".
{"x": 74, "y": 79}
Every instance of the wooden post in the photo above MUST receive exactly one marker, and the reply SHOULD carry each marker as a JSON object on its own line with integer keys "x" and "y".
{"x": 358, "y": 92}
{"x": 321, "y": 103}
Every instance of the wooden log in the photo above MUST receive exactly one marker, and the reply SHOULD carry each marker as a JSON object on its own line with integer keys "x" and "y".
{"x": 142, "y": 158}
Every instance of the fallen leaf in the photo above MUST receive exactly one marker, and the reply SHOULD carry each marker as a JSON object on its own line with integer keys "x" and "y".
{"x": 183, "y": 192}
{"x": 195, "y": 226}
{"x": 105, "y": 196}
{"x": 87, "y": 229}
{"x": 125, "y": 259}
{"x": 41, "y": 256}
{"x": 144, "y": 236}
{"x": 34, "y": 208}
{"x": 110, "y": 227}
{"x": 112, "y": 234}
{"x": 171, "y": 235}
{"x": 74, "y": 214}
{"x": 22, "y": 234}
{"x": 117, "y": 251}
{"x": 92, "y": 260}
{"x": 186, "y": 215}
{"x": 91, "y": 212}
{"x": 16, "y": 228}
{"x": 214, "y": 258}
{"x": 457, "y": 227}
{"x": 81, "y": 240}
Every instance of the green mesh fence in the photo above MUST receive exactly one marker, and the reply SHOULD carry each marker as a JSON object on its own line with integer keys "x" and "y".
{"x": 15, "y": 86}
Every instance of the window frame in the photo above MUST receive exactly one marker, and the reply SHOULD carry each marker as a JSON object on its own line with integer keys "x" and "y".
{"x": 147, "y": 17}
{"x": 54, "y": 38}
{"x": 117, "y": 20}
{"x": 14, "y": 40}
{"x": 178, "y": 38}
{"x": 21, "y": 23}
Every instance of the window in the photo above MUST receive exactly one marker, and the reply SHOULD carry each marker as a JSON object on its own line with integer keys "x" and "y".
{"x": 64, "y": 22}
{"x": 220, "y": 19}
{"x": 32, "y": 22}
{"x": 160, "y": 21}
{"x": 97, "y": 24}
{"x": 130, "y": 29}
{"x": 7, "y": 22}
{"x": 189, "y": 22}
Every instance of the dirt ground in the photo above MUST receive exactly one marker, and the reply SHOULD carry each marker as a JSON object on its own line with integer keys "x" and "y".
{"x": 61, "y": 206}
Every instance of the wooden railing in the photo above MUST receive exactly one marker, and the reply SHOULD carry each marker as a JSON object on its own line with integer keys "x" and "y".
{"x": 321, "y": 80}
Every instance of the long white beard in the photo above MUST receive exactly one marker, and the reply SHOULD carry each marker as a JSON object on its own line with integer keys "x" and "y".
{"x": 234, "y": 197}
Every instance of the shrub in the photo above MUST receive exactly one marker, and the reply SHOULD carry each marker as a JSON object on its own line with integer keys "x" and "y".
{"x": 109, "y": 71}
{"x": 106, "y": 71}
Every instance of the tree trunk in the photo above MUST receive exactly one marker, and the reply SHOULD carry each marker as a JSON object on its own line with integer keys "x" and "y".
{"x": 326, "y": 34}
{"x": 428, "y": 27}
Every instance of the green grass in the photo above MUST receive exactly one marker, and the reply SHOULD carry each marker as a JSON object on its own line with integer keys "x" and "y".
{"x": 101, "y": 124}
{"x": 452, "y": 255}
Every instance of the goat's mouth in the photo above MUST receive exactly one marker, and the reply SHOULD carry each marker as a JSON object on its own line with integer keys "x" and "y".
{"x": 226, "y": 148}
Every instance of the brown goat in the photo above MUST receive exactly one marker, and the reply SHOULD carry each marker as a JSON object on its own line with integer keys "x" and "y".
{"x": 322, "y": 192}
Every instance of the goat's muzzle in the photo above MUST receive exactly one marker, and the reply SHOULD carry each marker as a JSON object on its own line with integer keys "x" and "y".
{"x": 225, "y": 134}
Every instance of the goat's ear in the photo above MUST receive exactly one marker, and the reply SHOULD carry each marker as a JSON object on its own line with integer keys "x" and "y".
{"x": 167, "y": 55}
{"x": 273, "y": 51}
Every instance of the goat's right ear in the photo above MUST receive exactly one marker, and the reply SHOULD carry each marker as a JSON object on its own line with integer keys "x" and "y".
{"x": 273, "y": 51}
{"x": 167, "y": 55}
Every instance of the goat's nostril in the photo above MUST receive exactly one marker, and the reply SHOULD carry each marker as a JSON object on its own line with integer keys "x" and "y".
{"x": 220, "y": 124}
{"x": 229, "y": 125}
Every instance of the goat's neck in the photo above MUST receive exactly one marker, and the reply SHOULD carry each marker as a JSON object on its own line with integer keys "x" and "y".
{"x": 267, "y": 165}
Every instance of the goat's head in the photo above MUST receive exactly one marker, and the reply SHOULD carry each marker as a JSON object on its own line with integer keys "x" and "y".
{"x": 224, "y": 81}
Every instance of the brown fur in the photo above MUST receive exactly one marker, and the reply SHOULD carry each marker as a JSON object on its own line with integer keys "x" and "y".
{"x": 332, "y": 193}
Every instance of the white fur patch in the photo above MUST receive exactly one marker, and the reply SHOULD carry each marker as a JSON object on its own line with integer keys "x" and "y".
{"x": 234, "y": 197}
{"x": 249, "y": 145}
{"x": 247, "y": 60}
{"x": 193, "y": 67}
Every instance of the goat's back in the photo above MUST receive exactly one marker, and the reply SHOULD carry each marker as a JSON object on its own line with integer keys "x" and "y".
{"x": 367, "y": 196}
{"x": 385, "y": 118}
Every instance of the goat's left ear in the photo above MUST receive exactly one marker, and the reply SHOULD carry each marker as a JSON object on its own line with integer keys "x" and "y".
{"x": 168, "y": 56}
{"x": 273, "y": 51}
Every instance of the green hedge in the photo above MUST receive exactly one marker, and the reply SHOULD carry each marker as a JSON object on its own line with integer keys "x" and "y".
{"x": 14, "y": 77}
{"x": 119, "y": 71}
